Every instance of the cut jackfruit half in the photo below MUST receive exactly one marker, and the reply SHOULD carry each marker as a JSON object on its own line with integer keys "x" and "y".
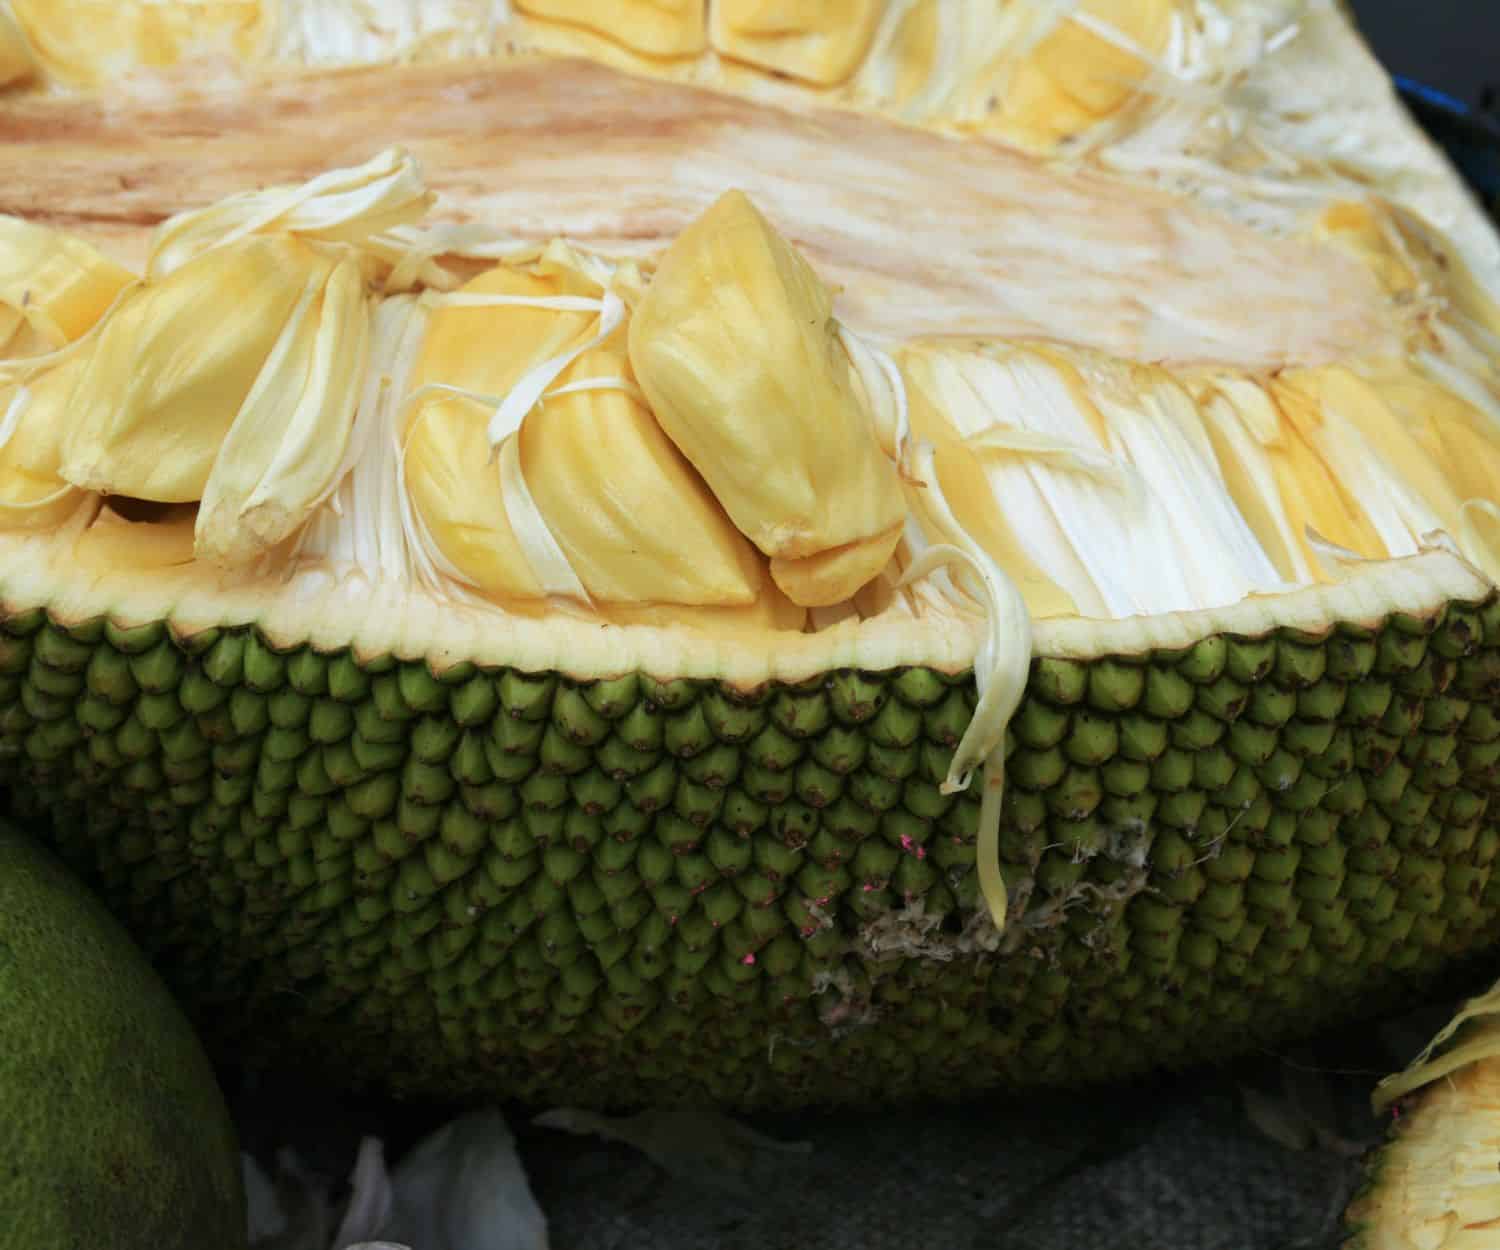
{"x": 766, "y": 554}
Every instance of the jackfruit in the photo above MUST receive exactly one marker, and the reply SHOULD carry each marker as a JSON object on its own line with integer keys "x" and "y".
{"x": 731, "y": 596}
{"x": 1433, "y": 1183}
{"x": 820, "y": 44}
{"x": 16, "y": 63}
{"x": 654, "y": 27}
{"x": 632, "y": 522}
{"x": 248, "y": 417}
{"x": 736, "y": 348}
{"x": 89, "y": 43}
{"x": 1067, "y": 68}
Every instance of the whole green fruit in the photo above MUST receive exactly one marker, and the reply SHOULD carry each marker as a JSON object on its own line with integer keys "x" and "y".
{"x": 113, "y": 1132}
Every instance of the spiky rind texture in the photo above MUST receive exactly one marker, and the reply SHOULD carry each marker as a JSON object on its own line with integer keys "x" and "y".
{"x": 627, "y": 890}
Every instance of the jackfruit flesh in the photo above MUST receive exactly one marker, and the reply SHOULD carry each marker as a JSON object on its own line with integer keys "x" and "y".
{"x": 164, "y": 379}
{"x": 1071, "y": 67}
{"x": 668, "y": 28}
{"x": 33, "y": 492}
{"x": 819, "y": 44}
{"x": 1434, "y": 1183}
{"x": 89, "y": 43}
{"x": 605, "y": 629}
{"x": 53, "y": 291}
{"x": 16, "y": 63}
{"x": 53, "y": 287}
{"x": 735, "y": 346}
{"x": 631, "y": 517}
{"x": 1040, "y": 73}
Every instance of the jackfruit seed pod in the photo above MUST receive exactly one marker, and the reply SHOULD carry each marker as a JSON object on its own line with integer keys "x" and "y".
{"x": 16, "y": 62}
{"x": 33, "y": 416}
{"x": 655, "y": 27}
{"x": 286, "y": 444}
{"x": 53, "y": 291}
{"x": 1067, "y": 68}
{"x": 88, "y": 44}
{"x": 632, "y": 519}
{"x": 737, "y": 350}
{"x": 230, "y": 381}
{"x": 818, "y": 43}
{"x": 53, "y": 288}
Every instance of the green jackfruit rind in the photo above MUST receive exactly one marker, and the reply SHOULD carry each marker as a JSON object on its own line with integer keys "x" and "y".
{"x": 491, "y": 881}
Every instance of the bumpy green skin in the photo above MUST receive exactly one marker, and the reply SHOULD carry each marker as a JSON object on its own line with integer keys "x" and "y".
{"x": 112, "y": 1130}
{"x": 631, "y": 890}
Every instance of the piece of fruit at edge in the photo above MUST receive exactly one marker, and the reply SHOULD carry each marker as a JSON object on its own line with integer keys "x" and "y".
{"x": 114, "y": 1131}
{"x": 1433, "y": 1183}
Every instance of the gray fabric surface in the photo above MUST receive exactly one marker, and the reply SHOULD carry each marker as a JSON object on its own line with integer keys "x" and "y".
{"x": 1160, "y": 1164}
{"x": 1159, "y": 1169}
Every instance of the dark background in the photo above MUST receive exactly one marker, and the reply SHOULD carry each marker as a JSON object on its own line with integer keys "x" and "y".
{"x": 1453, "y": 45}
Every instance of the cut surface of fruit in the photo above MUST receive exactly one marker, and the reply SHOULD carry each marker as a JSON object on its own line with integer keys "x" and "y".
{"x": 1433, "y": 1183}
{"x": 693, "y": 550}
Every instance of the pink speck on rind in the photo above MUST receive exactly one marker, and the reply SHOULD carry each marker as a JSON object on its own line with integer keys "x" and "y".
{"x": 749, "y": 958}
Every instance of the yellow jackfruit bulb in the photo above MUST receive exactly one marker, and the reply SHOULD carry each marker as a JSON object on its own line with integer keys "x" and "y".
{"x": 450, "y": 472}
{"x": 352, "y": 206}
{"x": 1396, "y": 447}
{"x": 736, "y": 348}
{"x": 33, "y": 415}
{"x": 16, "y": 62}
{"x": 1088, "y": 65}
{"x": 630, "y": 515}
{"x": 288, "y": 439}
{"x": 86, "y": 43}
{"x": 820, "y": 43}
{"x": 169, "y": 371}
{"x": 832, "y": 576}
{"x": 655, "y": 27}
{"x": 53, "y": 287}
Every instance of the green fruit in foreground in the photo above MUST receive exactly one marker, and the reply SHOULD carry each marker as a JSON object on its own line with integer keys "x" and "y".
{"x": 112, "y": 1129}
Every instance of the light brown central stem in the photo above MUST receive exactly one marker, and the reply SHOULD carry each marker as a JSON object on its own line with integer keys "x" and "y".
{"x": 926, "y": 235}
